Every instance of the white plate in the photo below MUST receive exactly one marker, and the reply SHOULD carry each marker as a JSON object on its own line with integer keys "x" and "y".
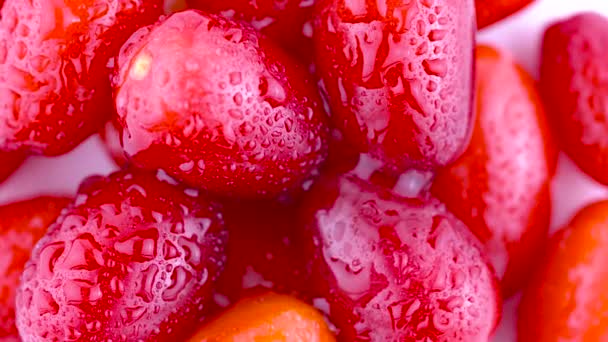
{"x": 520, "y": 34}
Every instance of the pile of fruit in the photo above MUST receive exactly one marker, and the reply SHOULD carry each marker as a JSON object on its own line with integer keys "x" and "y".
{"x": 299, "y": 170}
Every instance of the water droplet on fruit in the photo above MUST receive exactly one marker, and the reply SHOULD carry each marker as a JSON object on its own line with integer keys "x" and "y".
{"x": 140, "y": 246}
{"x": 435, "y": 67}
{"x": 235, "y": 78}
{"x": 48, "y": 258}
{"x": 84, "y": 254}
{"x": 238, "y": 99}
{"x": 179, "y": 280}
{"x": 148, "y": 277}
{"x": 130, "y": 315}
{"x": 45, "y": 303}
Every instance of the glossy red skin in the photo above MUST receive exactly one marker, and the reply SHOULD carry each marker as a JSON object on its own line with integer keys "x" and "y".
{"x": 400, "y": 88}
{"x": 55, "y": 89}
{"x": 263, "y": 251}
{"x": 22, "y": 224}
{"x": 574, "y": 85}
{"x": 500, "y": 187}
{"x": 219, "y": 107}
{"x": 110, "y": 134}
{"x": 396, "y": 269}
{"x": 566, "y": 299}
{"x": 287, "y": 22}
{"x": 491, "y": 11}
{"x": 9, "y": 162}
{"x": 134, "y": 258}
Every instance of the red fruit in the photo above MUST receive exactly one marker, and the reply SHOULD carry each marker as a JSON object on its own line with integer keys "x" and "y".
{"x": 574, "y": 84}
{"x": 396, "y": 269}
{"x": 110, "y": 134}
{"x": 263, "y": 252}
{"x": 287, "y": 22}
{"x": 399, "y": 77}
{"x": 134, "y": 258}
{"x": 55, "y": 89}
{"x": 491, "y": 11}
{"x": 566, "y": 299}
{"x": 267, "y": 318}
{"x": 500, "y": 187}
{"x": 9, "y": 162}
{"x": 22, "y": 224}
{"x": 218, "y": 107}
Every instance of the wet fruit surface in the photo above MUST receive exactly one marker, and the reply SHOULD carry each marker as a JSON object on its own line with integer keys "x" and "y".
{"x": 9, "y": 162}
{"x": 567, "y": 298}
{"x": 399, "y": 77}
{"x": 500, "y": 187}
{"x": 491, "y": 11}
{"x": 288, "y": 22}
{"x": 574, "y": 84}
{"x": 267, "y": 318}
{"x": 263, "y": 251}
{"x": 22, "y": 224}
{"x": 387, "y": 268}
{"x": 54, "y": 58}
{"x": 134, "y": 258}
{"x": 110, "y": 134}
{"x": 219, "y": 107}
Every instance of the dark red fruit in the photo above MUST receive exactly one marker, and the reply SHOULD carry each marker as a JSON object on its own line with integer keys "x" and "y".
{"x": 54, "y": 66}
{"x": 399, "y": 77}
{"x": 263, "y": 251}
{"x": 133, "y": 259}
{"x": 566, "y": 299}
{"x": 395, "y": 269}
{"x": 288, "y": 22}
{"x": 22, "y": 224}
{"x": 574, "y": 84}
{"x": 500, "y": 187}
{"x": 219, "y": 107}
{"x": 9, "y": 162}
{"x": 491, "y": 11}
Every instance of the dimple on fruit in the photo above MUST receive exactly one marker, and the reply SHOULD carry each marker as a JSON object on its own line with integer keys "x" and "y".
{"x": 399, "y": 77}
{"x": 134, "y": 258}
{"x": 389, "y": 268}
{"x": 219, "y": 107}
{"x": 22, "y": 224}
{"x": 574, "y": 84}
{"x": 54, "y": 73}
{"x": 500, "y": 187}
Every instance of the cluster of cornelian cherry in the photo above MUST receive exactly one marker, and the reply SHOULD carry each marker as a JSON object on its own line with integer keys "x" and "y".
{"x": 299, "y": 170}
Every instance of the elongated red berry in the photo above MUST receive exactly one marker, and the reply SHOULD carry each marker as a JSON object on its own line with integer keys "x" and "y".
{"x": 22, "y": 224}
{"x": 219, "y": 107}
{"x": 399, "y": 77}
{"x": 566, "y": 299}
{"x": 55, "y": 62}
{"x": 500, "y": 187}
{"x": 574, "y": 85}
{"x": 391, "y": 269}
{"x": 133, "y": 259}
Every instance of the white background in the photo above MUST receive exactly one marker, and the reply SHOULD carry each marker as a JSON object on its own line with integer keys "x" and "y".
{"x": 521, "y": 35}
